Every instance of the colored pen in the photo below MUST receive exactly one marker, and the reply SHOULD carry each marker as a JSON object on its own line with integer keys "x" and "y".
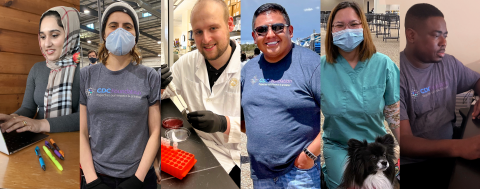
{"x": 48, "y": 145}
{"x": 53, "y": 158}
{"x": 54, "y": 150}
{"x": 42, "y": 164}
{"x": 56, "y": 146}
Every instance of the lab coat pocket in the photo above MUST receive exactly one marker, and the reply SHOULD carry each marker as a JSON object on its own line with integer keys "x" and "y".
{"x": 373, "y": 99}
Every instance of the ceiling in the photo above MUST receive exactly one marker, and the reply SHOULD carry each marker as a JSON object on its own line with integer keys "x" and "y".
{"x": 150, "y": 27}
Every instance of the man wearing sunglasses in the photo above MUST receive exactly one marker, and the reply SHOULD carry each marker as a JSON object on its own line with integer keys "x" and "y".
{"x": 208, "y": 81}
{"x": 281, "y": 105}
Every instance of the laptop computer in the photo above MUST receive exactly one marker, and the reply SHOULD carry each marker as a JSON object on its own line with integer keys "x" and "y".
{"x": 13, "y": 142}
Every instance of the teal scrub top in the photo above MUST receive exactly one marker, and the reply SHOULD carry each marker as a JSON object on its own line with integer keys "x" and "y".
{"x": 353, "y": 100}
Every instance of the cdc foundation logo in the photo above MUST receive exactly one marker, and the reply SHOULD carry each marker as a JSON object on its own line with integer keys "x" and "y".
{"x": 89, "y": 91}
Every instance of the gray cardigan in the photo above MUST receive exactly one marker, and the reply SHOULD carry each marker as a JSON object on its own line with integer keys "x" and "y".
{"x": 34, "y": 95}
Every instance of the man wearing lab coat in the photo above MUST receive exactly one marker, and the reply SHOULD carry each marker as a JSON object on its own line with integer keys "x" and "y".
{"x": 208, "y": 80}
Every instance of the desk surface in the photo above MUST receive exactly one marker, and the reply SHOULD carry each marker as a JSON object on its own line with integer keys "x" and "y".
{"x": 22, "y": 169}
{"x": 207, "y": 172}
{"x": 467, "y": 172}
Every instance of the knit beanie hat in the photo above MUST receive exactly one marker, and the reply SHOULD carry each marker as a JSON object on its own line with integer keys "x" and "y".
{"x": 123, "y": 7}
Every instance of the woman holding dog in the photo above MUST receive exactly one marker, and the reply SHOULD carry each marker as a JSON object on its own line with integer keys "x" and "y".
{"x": 360, "y": 89}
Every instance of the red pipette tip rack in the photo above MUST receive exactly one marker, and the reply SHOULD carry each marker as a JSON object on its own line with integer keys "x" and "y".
{"x": 176, "y": 162}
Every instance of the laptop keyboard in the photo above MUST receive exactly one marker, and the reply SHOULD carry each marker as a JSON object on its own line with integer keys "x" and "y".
{"x": 16, "y": 141}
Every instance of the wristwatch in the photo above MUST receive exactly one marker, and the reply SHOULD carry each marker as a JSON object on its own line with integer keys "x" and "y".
{"x": 310, "y": 154}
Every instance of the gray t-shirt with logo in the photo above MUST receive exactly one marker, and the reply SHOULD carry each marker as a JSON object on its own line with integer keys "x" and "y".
{"x": 427, "y": 97}
{"x": 117, "y": 112}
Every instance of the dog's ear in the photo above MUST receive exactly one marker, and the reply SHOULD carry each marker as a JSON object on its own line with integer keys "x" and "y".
{"x": 355, "y": 144}
{"x": 385, "y": 140}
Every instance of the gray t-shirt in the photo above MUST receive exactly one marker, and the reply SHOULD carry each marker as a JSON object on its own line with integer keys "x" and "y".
{"x": 117, "y": 112}
{"x": 428, "y": 97}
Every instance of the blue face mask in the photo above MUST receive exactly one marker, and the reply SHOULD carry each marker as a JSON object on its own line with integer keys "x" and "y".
{"x": 120, "y": 42}
{"x": 348, "y": 39}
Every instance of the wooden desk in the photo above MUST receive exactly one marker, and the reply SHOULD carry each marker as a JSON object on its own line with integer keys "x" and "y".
{"x": 22, "y": 169}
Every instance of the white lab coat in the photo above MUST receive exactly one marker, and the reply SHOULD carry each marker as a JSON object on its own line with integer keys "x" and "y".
{"x": 190, "y": 77}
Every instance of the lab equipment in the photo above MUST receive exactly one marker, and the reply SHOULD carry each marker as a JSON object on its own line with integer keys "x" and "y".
{"x": 176, "y": 162}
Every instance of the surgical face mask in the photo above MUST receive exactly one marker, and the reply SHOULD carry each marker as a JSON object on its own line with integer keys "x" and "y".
{"x": 120, "y": 42}
{"x": 92, "y": 60}
{"x": 348, "y": 39}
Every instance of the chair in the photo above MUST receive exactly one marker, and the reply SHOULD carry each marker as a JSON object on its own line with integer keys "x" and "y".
{"x": 392, "y": 21}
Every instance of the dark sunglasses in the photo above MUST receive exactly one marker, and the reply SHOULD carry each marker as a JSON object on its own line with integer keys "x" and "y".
{"x": 276, "y": 28}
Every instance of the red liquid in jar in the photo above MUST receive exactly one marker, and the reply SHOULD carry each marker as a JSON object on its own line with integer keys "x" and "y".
{"x": 172, "y": 123}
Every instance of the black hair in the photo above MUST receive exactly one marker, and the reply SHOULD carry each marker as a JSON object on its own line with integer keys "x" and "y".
{"x": 270, "y": 7}
{"x": 419, "y": 13}
{"x": 243, "y": 57}
{"x": 94, "y": 51}
{"x": 52, "y": 13}
{"x": 256, "y": 51}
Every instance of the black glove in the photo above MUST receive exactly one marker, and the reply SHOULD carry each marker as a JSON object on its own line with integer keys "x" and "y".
{"x": 207, "y": 121}
{"x": 165, "y": 75}
{"x": 97, "y": 184}
{"x": 131, "y": 183}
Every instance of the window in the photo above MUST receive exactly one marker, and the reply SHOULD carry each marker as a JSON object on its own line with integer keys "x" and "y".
{"x": 91, "y": 26}
{"x": 146, "y": 14}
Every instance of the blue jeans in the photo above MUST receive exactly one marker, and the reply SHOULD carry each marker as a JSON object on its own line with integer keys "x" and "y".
{"x": 294, "y": 179}
{"x": 150, "y": 181}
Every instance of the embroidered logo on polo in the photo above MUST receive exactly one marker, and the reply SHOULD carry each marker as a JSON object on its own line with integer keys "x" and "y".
{"x": 427, "y": 91}
{"x": 110, "y": 92}
{"x": 271, "y": 82}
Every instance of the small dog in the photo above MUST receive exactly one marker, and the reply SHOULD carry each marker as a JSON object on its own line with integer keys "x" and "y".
{"x": 370, "y": 166}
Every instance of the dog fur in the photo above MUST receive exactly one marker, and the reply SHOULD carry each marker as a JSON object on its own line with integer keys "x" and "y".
{"x": 370, "y": 166}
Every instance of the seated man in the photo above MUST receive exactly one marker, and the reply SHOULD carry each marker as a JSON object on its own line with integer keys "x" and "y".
{"x": 429, "y": 82}
{"x": 208, "y": 81}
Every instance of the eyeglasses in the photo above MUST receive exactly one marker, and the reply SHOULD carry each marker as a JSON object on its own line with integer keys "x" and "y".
{"x": 355, "y": 24}
{"x": 276, "y": 28}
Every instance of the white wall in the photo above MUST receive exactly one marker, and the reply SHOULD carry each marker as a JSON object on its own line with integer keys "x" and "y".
{"x": 463, "y": 40}
{"x": 372, "y": 5}
{"x": 380, "y": 6}
{"x": 177, "y": 32}
{"x": 394, "y": 7}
